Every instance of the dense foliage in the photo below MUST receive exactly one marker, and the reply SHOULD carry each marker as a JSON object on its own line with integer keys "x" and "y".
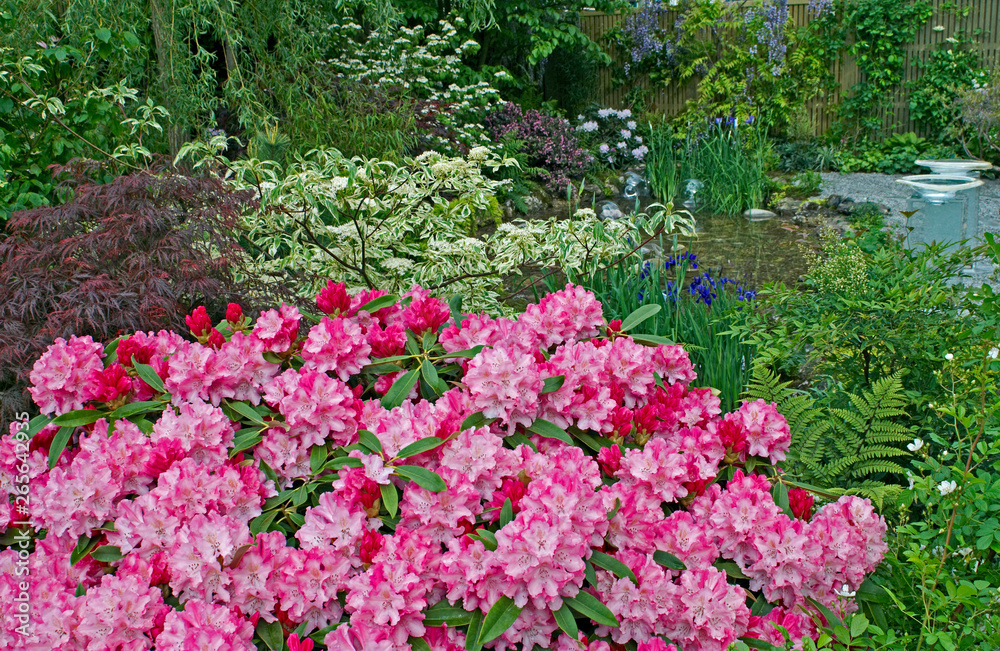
{"x": 905, "y": 412}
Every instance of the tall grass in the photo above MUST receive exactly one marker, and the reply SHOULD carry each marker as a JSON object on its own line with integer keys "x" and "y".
{"x": 696, "y": 308}
{"x": 665, "y": 164}
{"x": 730, "y": 158}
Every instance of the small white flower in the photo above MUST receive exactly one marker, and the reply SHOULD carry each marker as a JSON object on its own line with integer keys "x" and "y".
{"x": 993, "y": 352}
{"x": 910, "y": 477}
{"x": 626, "y": 134}
{"x": 947, "y": 487}
{"x": 949, "y": 357}
{"x": 916, "y": 445}
{"x": 604, "y": 148}
{"x": 845, "y": 591}
{"x": 631, "y": 124}
{"x": 624, "y": 113}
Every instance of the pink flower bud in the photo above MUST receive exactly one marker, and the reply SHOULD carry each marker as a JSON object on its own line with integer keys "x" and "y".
{"x": 198, "y": 321}
{"x": 234, "y": 314}
{"x": 334, "y": 299}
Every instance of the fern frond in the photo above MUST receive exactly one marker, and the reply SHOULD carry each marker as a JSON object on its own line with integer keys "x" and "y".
{"x": 833, "y": 446}
{"x": 877, "y": 466}
{"x": 881, "y": 495}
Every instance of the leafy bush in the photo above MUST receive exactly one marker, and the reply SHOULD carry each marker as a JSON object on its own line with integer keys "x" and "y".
{"x": 894, "y": 155}
{"x": 371, "y": 223}
{"x": 943, "y": 567}
{"x": 50, "y": 115}
{"x": 979, "y": 111}
{"x": 419, "y": 69}
{"x": 861, "y": 317}
{"x": 869, "y": 228}
{"x": 743, "y": 57}
{"x": 517, "y": 483}
{"x": 953, "y": 67}
{"x": 805, "y": 155}
{"x": 550, "y": 142}
{"x": 135, "y": 253}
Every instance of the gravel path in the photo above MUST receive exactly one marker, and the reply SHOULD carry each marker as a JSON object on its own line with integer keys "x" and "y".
{"x": 883, "y": 189}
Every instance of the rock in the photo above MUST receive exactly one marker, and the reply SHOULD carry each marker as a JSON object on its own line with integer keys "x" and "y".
{"x": 533, "y": 203}
{"x": 651, "y": 250}
{"x": 609, "y": 210}
{"x": 787, "y": 206}
{"x": 834, "y": 200}
{"x": 845, "y": 207}
{"x": 758, "y": 214}
{"x": 810, "y": 205}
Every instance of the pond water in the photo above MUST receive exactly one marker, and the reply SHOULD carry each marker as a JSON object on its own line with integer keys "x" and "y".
{"x": 763, "y": 251}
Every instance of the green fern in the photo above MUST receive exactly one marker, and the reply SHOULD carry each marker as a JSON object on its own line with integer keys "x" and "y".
{"x": 854, "y": 447}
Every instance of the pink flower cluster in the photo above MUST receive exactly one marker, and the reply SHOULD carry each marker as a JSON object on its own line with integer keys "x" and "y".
{"x": 249, "y": 495}
{"x": 62, "y": 381}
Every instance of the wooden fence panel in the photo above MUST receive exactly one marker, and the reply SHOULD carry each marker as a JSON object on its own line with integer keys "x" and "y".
{"x": 895, "y": 113}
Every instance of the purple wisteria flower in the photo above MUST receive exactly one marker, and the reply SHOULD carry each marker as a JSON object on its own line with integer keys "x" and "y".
{"x": 771, "y": 33}
{"x": 642, "y": 29}
{"x": 819, "y": 7}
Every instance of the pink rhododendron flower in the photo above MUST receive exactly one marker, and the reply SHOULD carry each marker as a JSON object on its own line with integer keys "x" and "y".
{"x": 801, "y": 503}
{"x": 188, "y": 492}
{"x": 504, "y": 385}
{"x": 202, "y": 626}
{"x": 336, "y": 345}
{"x": 767, "y": 432}
{"x": 334, "y": 299}
{"x": 278, "y": 329}
{"x": 61, "y": 377}
{"x": 234, "y": 315}
{"x": 199, "y": 322}
{"x": 109, "y": 384}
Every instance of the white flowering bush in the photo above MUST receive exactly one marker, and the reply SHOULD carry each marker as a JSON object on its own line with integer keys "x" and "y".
{"x": 370, "y": 223}
{"x": 427, "y": 65}
{"x": 613, "y": 137}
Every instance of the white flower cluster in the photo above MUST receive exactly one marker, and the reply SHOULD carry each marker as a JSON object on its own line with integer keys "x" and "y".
{"x": 614, "y": 126}
{"x": 427, "y": 67}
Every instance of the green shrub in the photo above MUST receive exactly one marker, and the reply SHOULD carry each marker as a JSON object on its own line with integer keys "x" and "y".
{"x": 950, "y": 69}
{"x": 372, "y": 223}
{"x": 860, "y": 317}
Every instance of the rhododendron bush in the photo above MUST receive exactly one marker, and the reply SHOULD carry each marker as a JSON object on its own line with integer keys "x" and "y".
{"x": 401, "y": 475}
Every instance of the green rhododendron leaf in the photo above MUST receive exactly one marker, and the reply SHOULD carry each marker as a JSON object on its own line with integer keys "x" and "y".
{"x": 591, "y": 607}
{"x": 639, "y": 315}
{"x": 566, "y": 620}
{"x": 422, "y": 477}
{"x": 503, "y": 613}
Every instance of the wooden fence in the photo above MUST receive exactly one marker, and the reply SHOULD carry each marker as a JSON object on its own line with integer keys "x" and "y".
{"x": 895, "y": 114}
